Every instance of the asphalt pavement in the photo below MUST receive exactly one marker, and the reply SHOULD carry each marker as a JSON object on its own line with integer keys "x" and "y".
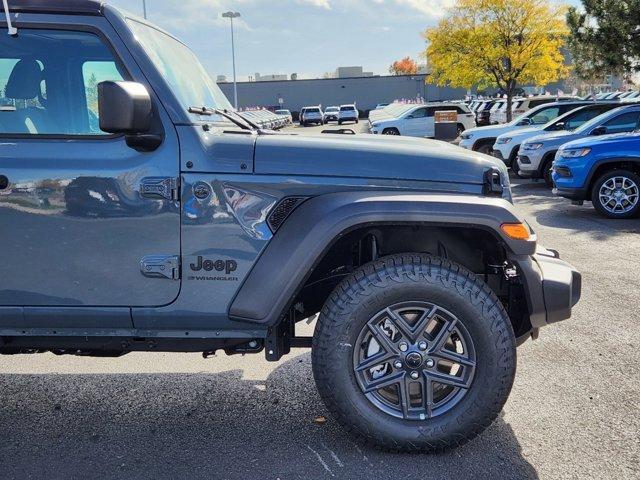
{"x": 574, "y": 412}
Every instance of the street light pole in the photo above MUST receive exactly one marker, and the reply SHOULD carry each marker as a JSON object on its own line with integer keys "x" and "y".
{"x": 231, "y": 15}
{"x": 144, "y": 8}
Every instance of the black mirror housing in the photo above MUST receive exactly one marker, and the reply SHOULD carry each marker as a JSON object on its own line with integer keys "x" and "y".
{"x": 124, "y": 107}
{"x": 601, "y": 130}
{"x": 525, "y": 121}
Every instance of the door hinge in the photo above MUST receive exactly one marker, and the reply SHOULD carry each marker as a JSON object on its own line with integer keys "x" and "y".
{"x": 165, "y": 188}
{"x": 161, "y": 266}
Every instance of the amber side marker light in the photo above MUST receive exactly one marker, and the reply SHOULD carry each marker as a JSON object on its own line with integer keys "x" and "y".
{"x": 516, "y": 231}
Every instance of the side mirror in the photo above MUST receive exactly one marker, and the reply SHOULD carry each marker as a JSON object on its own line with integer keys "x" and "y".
{"x": 601, "y": 130}
{"x": 124, "y": 107}
{"x": 525, "y": 122}
{"x": 559, "y": 126}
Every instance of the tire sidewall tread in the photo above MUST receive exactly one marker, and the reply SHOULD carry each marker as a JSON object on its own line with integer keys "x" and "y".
{"x": 390, "y": 278}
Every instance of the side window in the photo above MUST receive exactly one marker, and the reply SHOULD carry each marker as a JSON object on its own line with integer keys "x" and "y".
{"x": 48, "y": 82}
{"x": 94, "y": 72}
{"x": 580, "y": 117}
{"x": 418, "y": 113}
{"x": 623, "y": 123}
{"x": 545, "y": 115}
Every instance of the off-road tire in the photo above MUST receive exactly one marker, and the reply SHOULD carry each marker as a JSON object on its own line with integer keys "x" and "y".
{"x": 398, "y": 278}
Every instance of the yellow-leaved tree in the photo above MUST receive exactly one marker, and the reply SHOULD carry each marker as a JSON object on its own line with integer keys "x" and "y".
{"x": 503, "y": 43}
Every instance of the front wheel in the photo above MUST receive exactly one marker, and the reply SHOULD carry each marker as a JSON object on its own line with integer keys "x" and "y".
{"x": 414, "y": 353}
{"x": 616, "y": 194}
{"x": 390, "y": 131}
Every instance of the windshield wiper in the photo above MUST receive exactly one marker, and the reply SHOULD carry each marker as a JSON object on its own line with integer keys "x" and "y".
{"x": 226, "y": 114}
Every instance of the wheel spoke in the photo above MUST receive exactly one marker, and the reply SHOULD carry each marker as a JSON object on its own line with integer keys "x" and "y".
{"x": 385, "y": 381}
{"x": 422, "y": 323}
{"x": 404, "y": 396}
{"x": 450, "y": 380}
{"x": 374, "y": 360}
{"x": 396, "y": 319}
{"x": 453, "y": 357}
{"x": 443, "y": 334}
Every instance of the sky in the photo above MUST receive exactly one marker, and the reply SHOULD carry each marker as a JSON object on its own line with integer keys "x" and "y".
{"x": 308, "y": 37}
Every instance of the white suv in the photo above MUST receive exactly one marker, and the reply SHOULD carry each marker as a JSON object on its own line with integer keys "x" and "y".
{"x": 311, "y": 115}
{"x": 418, "y": 120}
{"x": 347, "y": 113}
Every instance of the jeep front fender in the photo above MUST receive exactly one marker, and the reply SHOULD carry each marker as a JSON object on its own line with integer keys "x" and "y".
{"x": 316, "y": 224}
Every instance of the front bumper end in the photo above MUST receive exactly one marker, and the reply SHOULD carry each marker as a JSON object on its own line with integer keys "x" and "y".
{"x": 553, "y": 287}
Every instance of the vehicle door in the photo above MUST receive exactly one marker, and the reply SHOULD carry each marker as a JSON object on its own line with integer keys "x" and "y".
{"x": 415, "y": 123}
{"x": 76, "y": 226}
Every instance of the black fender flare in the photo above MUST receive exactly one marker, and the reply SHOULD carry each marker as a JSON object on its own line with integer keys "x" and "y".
{"x": 303, "y": 239}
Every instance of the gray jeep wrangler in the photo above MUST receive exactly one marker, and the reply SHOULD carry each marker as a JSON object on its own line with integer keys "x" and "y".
{"x": 141, "y": 213}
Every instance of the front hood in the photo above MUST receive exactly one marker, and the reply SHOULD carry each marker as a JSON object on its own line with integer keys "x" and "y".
{"x": 371, "y": 156}
{"x": 490, "y": 131}
{"x": 603, "y": 140}
{"x": 556, "y": 138}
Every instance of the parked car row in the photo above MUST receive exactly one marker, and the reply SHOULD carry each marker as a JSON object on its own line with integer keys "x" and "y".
{"x": 493, "y": 111}
{"x": 315, "y": 115}
{"x": 417, "y": 120}
{"x": 585, "y": 149}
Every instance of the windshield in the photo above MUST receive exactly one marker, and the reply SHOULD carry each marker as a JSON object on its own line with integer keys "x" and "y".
{"x": 283, "y": 112}
{"x": 312, "y": 110}
{"x": 597, "y": 121}
{"x": 181, "y": 69}
{"x": 332, "y": 109}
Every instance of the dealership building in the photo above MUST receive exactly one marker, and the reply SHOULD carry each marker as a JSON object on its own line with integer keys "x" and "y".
{"x": 366, "y": 91}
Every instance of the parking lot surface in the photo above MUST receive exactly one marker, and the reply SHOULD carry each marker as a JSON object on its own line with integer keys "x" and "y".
{"x": 573, "y": 412}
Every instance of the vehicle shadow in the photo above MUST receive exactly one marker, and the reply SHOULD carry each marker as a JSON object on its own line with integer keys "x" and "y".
{"x": 215, "y": 426}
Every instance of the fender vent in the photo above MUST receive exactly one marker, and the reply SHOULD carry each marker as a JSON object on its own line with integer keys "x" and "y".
{"x": 282, "y": 211}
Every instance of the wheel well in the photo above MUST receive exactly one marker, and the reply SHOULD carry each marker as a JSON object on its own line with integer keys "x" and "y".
{"x": 475, "y": 248}
{"x": 483, "y": 142}
{"x": 549, "y": 156}
{"x": 386, "y": 129}
{"x": 631, "y": 165}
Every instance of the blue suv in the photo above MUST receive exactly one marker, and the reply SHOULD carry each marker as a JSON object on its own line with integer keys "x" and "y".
{"x": 604, "y": 170}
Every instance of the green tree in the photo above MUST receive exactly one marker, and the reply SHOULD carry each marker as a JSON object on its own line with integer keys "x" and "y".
{"x": 604, "y": 37}
{"x": 502, "y": 43}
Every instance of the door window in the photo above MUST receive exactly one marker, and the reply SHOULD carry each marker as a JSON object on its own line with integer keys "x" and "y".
{"x": 623, "y": 123}
{"x": 418, "y": 113}
{"x": 545, "y": 115}
{"x": 48, "y": 82}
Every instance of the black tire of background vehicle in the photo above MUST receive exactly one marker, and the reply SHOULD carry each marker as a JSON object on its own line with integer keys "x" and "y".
{"x": 339, "y": 122}
{"x": 394, "y": 279}
{"x": 546, "y": 172}
{"x": 485, "y": 148}
{"x": 595, "y": 198}
{"x": 390, "y": 131}
{"x": 460, "y": 129}
{"x": 357, "y": 121}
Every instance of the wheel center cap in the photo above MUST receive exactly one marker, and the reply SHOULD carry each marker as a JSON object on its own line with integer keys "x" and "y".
{"x": 413, "y": 360}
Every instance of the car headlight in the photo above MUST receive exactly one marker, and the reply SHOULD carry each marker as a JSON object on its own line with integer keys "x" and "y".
{"x": 575, "y": 152}
{"x": 502, "y": 140}
{"x": 532, "y": 146}
{"x": 466, "y": 136}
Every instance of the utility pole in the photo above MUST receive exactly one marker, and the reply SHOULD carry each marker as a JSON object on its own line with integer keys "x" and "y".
{"x": 144, "y": 9}
{"x": 231, "y": 15}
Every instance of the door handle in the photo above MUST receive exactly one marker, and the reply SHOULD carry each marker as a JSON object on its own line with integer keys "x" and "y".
{"x": 4, "y": 182}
